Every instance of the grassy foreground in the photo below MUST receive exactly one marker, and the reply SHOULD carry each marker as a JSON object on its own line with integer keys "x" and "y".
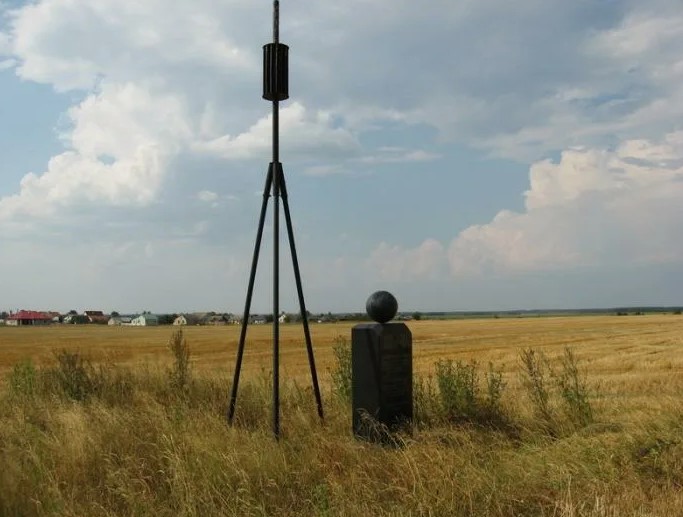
{"x": 126, "y": 438}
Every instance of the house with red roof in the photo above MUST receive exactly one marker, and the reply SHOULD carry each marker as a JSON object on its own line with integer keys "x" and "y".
{"x": 96, "y": 317}
{"x": 23, "y": 318}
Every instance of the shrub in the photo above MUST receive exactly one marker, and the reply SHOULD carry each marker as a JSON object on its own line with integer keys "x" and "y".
{"x": 341, "y": 372}
{"x": 179, "y": 374}
{"x": 574, "y": 391}
{"x": 460, "y": 394}
{"x": 23, "y": 379}
{"x": 535, "y": 373}
{"x": 425, "y": 400}
{"x": 458, "y": 387}
{"x": 494, "y": 390}
{"x": 569, "y": 386}
{"x": 75, "y": 376}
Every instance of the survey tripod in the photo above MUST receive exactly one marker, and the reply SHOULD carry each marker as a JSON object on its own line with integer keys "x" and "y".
{"x": 275, "y": 89}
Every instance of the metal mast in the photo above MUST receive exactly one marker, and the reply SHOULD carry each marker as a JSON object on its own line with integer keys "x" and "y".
{"x": 275, "y": 89}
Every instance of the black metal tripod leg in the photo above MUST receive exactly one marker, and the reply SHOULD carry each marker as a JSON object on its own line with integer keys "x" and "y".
{"x": 250, "y": 291}
{"x": 300, "y": 292}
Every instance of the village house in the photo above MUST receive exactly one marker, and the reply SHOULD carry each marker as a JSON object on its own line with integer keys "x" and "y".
{"x": 55, "y": 317}
{"x": 24, "y": 318}
{"x": 205, "y": 318}
{"x": 187, "y": 319}
{"x": 96, "y": 317}
{"x": 75, "y": 319}
{"x": 145, "y": 320}
{"x": 119, "y": 320}
{"x": 216, "y": 319}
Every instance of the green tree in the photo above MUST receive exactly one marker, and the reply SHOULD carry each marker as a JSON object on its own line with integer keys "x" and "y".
{"x": 167, "y": 319}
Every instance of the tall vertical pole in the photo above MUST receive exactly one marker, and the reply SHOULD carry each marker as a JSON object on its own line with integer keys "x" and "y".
{"x": 276, "y": 234}
{"x": 275, "y": 89}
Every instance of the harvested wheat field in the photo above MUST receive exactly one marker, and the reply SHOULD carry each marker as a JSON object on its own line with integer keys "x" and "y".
{"x": 561, "y": 416}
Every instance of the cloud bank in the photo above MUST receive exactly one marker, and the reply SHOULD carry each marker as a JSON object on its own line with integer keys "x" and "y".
{"x": 165, "y": 128}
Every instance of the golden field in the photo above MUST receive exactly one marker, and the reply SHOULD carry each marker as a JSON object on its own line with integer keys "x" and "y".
{"x": 138, "y": 443}
{"x": 634, "y": 354}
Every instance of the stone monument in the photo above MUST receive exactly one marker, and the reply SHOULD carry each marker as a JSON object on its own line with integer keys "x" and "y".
{"x": 382, "y": 371}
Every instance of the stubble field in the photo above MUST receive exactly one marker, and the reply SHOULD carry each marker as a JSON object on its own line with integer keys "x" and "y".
{"x": 631, "y": 356}
{"x": 138, "y": 444}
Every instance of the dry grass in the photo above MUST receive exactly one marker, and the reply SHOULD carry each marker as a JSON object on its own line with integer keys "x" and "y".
{"x": 138, "y": 446}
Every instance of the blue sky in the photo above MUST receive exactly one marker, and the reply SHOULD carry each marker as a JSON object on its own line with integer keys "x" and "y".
{"x": 465, "y": 156}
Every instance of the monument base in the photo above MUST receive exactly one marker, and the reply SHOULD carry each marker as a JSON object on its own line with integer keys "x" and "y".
{"x": 382, "y": 379}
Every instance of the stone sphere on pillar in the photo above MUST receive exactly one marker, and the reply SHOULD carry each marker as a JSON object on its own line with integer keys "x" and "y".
{"x": 381, "y": 306}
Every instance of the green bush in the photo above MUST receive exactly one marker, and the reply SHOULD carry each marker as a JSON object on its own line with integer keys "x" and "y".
{"x": 536, "y": 371}
{"x": 426, "y": 402}
{"x": 495, "y": 385}
{"x": 179, "y": 374}
{"x": 544, "y": 386}
{"x": 458, "y": 389}
{"x": 574, "y": 391}
{"x": 75, "y": 376}
{"x": 23, "y": 380}
{"x": 77, "y": 379}
{"x": 460, "y": 394}
{"x": 341, "y": 371}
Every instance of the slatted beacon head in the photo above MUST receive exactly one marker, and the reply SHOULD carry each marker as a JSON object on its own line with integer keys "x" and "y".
{"x": 275, "y": 72}
{"x": 382, "y": 372}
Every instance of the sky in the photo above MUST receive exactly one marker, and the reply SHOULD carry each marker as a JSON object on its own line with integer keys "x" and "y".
{"x": 469, "y": 155}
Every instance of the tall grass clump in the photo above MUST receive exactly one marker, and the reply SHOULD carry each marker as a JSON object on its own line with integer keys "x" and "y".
{"x": 550, "y": 391}
{"x": 23, "y": 380}
{"x": 341, "y": 370}
{"x": 536, "y": 381}
{"x": 75, "y": 376}
{"x": 426, "y": 401}
{"x": 573, "y": 388}
{"x": 461, "y": 397}
{"x": 179, "y": 374}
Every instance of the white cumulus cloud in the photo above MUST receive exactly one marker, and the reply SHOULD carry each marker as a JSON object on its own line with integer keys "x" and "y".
{"x": 592, "y": 208}
{"x": 70, "y": 44}
{"x": 303, "y": 133}
{"x": 118, "y": 143}
{"x": 207, "y": 196}
{"x": 163, "y": 94}
{"x": 395, "y": 263}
